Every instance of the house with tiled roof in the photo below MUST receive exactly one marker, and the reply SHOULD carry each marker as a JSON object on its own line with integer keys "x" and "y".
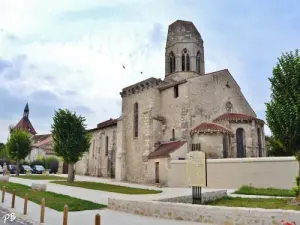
{"x": 164, "y": 118}
{"x": 41, "y": 144}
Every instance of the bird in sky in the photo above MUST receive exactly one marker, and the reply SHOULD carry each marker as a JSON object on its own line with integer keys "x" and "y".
{"x": 123, "y": 67}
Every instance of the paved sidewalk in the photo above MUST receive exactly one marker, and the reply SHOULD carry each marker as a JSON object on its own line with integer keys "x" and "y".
{"x": 102, "y": 196}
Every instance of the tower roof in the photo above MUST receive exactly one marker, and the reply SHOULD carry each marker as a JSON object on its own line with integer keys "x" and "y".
{"x": 25, "y": 124}
{"x": 183, "y": 31}
{"x": 26, "y": 109}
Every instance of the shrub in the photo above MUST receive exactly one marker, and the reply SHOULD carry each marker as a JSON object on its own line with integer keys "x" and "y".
{"x": 46, "y": 162}
{"x": 295, "y": 189}
{"x": 50, "y": 161}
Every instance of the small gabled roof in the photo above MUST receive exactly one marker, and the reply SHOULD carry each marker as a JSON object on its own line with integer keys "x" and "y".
{"x": 165, "y": 149}
{"x": 237, "y": 117}
{"x": 210, "y": 128}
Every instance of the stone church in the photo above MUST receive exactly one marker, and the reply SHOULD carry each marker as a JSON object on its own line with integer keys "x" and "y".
{"x": 163, "y": 119}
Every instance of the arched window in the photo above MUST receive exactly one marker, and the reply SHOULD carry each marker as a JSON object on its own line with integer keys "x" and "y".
{"x": 225, "y": 146}
{"x": 259, "y": 142}
{"x": 173, "y": 135}
{"x": 106, "y": 146}
{"x": 240, "y": 143}
{"x": 93, "y": 150}
{"x": 185, "y": 60}
{"x": 172, "y": 62}
{"x": 136, "y": 120}
{"x": 198, "y": 58}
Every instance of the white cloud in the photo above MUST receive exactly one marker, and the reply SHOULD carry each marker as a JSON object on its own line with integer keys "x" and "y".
{"x": 86, "y": 54}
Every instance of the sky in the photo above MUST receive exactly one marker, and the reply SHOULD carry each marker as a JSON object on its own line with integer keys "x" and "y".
{"x": 69, "y": 54}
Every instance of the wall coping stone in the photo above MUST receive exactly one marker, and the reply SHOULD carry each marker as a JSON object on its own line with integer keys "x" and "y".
{"x": 245, "y": 160}
{"x": 205, "y": 213}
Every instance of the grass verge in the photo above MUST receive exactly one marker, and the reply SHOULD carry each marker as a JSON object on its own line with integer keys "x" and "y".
{"x": 246, "y": 190}
{"x": 265, "y": 203}
{"x": 53, "y": 200}
{"x": 108, "y": 187}
{"x": 41, "y": 177}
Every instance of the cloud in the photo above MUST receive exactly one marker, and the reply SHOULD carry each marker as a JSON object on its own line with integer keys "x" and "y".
{"x": 69, "y": 54}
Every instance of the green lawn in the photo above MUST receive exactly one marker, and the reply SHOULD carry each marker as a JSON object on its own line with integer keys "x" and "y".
{"x": 42, "y": 177}
{"x": 246, "y": 190}
{"x": 265, "y": 203}
{"x": 53, "y": 200}
{"x": 108, "y": 187}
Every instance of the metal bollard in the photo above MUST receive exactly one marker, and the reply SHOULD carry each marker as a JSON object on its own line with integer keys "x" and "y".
{"x": 42, "y": 217}
{"x": 25, "y": 203}
{"x": 13, "y": 199}
{"x": 3, "y": 194}
{"x": 97, "y": 219}
{"x": 65, "y": 217}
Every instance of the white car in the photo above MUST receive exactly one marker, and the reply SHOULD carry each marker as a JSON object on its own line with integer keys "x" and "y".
{"x": 1, "y": 169}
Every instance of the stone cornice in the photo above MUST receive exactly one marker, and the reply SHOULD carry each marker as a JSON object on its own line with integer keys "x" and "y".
{"x": 141, "y": 86}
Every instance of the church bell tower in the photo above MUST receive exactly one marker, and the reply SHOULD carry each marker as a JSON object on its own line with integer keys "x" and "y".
{"x": 184, "y": 54}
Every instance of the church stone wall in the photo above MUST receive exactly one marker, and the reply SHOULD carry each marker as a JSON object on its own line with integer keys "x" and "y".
{"x": 138, "y": 149}
{"x": 97, "y": 158}
{"x": 212, "y": 144}
{"x": 209, "y": 94}
{"x": 175, "y": 110}
{"x": 192, "y": 49}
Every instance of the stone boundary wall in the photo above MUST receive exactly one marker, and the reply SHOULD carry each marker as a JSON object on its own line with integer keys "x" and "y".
{"x": 277, "y": 172}
{"x": 206, "y": 197}
{"x": 205, "y": 213}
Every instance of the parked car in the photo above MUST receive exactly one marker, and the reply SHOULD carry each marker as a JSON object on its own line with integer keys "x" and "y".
{"x": 53, "y": 167}
{"x": 25, "y": 168}
{"x": 12, "y": 169}
{"x": 38, "y": 169}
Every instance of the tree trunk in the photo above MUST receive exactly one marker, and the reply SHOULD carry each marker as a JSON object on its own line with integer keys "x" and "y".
{"x": 71, "y": 173}
{"x": 18, "y": 167}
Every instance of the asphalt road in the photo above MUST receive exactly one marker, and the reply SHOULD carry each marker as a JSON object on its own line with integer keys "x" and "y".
{"x": 17, "y": 221}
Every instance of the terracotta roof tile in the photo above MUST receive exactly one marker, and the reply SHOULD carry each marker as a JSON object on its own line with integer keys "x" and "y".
{"x": 165, "y": 149}
{"x": 107, "y": 123}
{"x": 43, "y": 142}
{"x": 210, "y": 128}
{"x": 39, "y": 137}
{"x": 25, "y": 125}
{"x": 237, "y": 117}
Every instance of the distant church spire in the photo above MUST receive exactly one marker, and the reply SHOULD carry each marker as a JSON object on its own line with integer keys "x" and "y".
{"x": 26, "y": 111}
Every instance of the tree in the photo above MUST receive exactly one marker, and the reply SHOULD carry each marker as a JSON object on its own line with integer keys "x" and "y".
{"x": 11, "y": 128}
{"x": 3, "y": 151}
{"x": 283, "y": 110}
{"x": 275, "y": 147}
{"x": 18, "y": 146}
{"x": 70, "y": 138}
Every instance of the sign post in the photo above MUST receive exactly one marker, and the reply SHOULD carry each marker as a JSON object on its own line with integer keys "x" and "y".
{"x": 196, "y": 167}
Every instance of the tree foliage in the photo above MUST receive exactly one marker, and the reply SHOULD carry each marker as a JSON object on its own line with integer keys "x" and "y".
{"x": 18, "y": 144}
{"x": 3, "y": 152}
{"x": 275, "y": 147}
{"x": 69, "y": 135}
{"x": 283, "y": 111}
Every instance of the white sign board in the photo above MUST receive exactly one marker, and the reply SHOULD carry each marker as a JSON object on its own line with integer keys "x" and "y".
{"x": 196, "y": 169}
